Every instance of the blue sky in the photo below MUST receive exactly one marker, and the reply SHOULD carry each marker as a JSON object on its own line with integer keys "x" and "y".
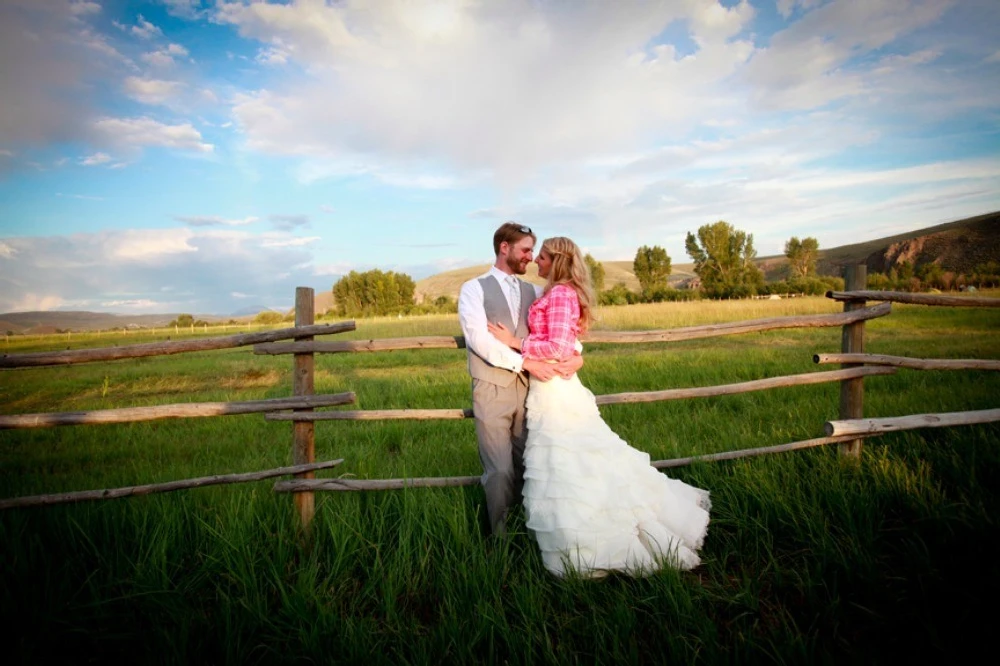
{"x": 205, "y": 157}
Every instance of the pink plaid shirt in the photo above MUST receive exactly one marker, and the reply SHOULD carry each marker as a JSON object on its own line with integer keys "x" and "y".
{"x": 554, "y": 323}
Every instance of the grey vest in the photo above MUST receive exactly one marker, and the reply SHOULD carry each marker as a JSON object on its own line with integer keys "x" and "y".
{"x": 497, "y": 309}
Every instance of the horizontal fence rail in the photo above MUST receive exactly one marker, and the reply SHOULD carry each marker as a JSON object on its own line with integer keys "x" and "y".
{"x": 175, "y": 411}
{"x": 907, "y": 362}
{"x": 168, "y": 486}
{"x": 915, "y": 299}
{"x": 896, "y": 423}
{"x": 341, "y": 346}
{"x": 744, "y": 387}
{"x": 374, "y": 415}
{"x": 737, "y": 327}
{"x": 67, "y": 357}
{"x": 309, "y": 485}
{"x": 667, "y": 335}
{"x": 608, "y": 399}
{"x": 759, "y": 451}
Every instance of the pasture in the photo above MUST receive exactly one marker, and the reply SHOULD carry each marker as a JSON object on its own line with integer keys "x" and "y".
{"x": 808, "y": 560}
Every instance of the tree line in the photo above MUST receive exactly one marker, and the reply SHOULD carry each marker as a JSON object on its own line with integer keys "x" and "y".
{"x": 724, "y": 263}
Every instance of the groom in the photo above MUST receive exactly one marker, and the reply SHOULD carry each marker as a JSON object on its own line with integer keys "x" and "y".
{"x": 499, "y": 382}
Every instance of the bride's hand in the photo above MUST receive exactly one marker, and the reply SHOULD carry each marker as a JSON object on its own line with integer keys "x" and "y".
{"x": 503, "y": 334}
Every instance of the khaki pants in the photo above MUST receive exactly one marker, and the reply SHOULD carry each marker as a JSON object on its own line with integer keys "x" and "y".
{"x": 501, "y": 431}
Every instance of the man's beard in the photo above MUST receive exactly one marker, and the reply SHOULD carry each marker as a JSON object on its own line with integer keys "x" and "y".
{"x": 515, "y": 265}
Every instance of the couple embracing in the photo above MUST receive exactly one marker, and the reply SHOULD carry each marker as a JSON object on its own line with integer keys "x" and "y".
{"x": 593, "y": 503}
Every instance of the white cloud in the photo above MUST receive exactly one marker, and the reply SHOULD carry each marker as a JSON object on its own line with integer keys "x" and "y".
{"x": 994, "y": 57}
{"x": 290, "y": 242}
{"x": 786, "y": 7}
{"x": 891, "y": 63}
{"x": 165, "y": 57}
{"x": 272, "y": 56}
{"x": 95, "y": 159}
{"x": 198, "y": 269}
{"x": 712, "y": 21}
{"x": 214, "y": 220}
{"x": 145, "y": 29}
{"x": 148, "y": 245}
{"x": 803, "y": 66}
{"x": 6, "y": 251}
{"x": 140, "y": 132}
{"x": 152, "y": 91}
{"x": 47, "y": 58}
{"x": 31, "y": 302}
{"x": 405, "y": 87}
{"x": 289, "y": 222}
{"x": 157, "y": 59}
{"x": 84, "y": 8}
{"x": 133, "y": 304}
{"x": 341, "y": 268}
{"x": 184, "y": 8}
{"x": 82, "y": 197}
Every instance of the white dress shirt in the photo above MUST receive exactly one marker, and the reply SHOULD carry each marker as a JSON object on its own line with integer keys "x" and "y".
{"x": 472, "y": 318}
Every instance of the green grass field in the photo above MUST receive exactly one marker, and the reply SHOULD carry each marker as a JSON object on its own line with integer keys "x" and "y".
{"x": 807, "y": 560}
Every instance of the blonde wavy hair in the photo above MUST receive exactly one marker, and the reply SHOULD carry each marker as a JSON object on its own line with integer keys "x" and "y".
{"x": 569, "y": 267}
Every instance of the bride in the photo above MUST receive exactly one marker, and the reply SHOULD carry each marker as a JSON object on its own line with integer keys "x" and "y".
{"x": 593, "y": 502}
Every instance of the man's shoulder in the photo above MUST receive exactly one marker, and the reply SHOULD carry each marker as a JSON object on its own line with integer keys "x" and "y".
{"x": 476, "y": 280}
{"x": 472, "y": 287}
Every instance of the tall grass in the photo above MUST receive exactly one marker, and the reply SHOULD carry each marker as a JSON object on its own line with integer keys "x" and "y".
{"x": 807, "y": 560}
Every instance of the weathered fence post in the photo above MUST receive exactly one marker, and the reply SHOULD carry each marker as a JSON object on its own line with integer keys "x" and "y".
{"x": 852, "y": 391}
{"x": 303, "y": 435}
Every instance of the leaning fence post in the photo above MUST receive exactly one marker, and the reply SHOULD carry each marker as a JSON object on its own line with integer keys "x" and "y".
{"x": 303, "y": 436}
{"x": 852, "y": 391}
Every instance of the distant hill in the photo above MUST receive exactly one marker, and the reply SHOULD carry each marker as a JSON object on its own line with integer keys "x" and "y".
{"x": 958, "y": 246}
{"x": 250, "y": 311}
{"x": 53, "y": 320}
{"x": 449, "y": 282}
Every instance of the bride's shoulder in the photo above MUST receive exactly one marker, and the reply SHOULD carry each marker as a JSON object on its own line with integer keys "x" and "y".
{"x": 563, "y": 290}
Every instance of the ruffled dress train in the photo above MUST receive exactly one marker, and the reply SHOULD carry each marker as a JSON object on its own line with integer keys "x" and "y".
{"x": 594, "y": 503}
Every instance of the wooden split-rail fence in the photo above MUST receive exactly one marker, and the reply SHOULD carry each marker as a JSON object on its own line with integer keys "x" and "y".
{"x": 300, "y": 409}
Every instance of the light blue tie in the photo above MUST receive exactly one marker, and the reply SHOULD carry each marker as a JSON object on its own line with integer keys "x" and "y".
{"x": 515, "y": 298}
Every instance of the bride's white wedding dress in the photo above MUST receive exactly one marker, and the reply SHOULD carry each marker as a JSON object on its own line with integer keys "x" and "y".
{"x": 593, "y": 502}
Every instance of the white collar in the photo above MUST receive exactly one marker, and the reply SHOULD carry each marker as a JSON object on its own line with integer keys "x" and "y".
{"x": 500, "y": 276}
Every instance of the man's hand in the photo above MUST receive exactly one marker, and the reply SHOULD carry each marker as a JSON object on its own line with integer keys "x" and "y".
{"x": 503, "y": 334}
{"x": 540, "y": 370}
{"x": 567, "y": 367}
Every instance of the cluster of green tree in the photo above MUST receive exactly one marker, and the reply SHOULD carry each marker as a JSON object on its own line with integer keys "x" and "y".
{"x": 905, "y": 277}
{"x": 373, "y": 293}
{"x": 273, "y": 317}
{"x": 622, "y": 295}
{"x": 811, "y": 285}
{"x": 187, "y": 321}
{"x": 439, "y": 305}
{"x": 724, "y": 263}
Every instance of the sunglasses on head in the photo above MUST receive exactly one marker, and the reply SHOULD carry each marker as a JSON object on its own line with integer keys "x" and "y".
{"x": 524, "y": 230}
